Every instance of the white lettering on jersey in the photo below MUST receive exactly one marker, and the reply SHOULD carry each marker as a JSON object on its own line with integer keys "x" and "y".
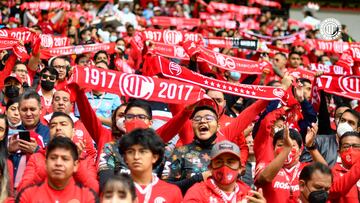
{"x": 159, "y": 200}
{"x": 212, "y": 200}
{"x": 285, "y": 186}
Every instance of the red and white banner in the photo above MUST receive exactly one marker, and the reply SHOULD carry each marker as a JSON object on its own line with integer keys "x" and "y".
{"x": 355, "y": 51}
{"x": 170, "y": 51}
{"x": 328, "y": 46}
{"x": 344, "y": 86}
{"x": 302, "y": 73}
{"x": 220, "y": 16}
{"x": 175, "y": 71}
{"x": 285, "y": 39}
{"x": 330, "y": 70}
{"x": 224, "y": 61}
{"x": 14, "y": 44}
{"x": 177, "y": 22}
{"x": 229, "y": 42}
{"x": 227, "y": 24}
{"x": 79, "y": 49}
{"x": 25, "y": 35}
{"x": 243, "y": 10}
{"x": 45, "y": 5}
{"x": 137, "y": 86}
{"x": 171, "y": 36}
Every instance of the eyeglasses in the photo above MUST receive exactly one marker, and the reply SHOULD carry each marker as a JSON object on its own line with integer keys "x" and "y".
{"x": 347, "y": 146}
{"x": 60, "y": 67}
{"x": 51, "y": 77}
{"x": 138, "y": 116}
{"x": 208, "y": 118}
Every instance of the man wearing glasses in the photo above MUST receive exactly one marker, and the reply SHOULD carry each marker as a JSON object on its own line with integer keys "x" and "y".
{"x": 60, "y": 64}
{"x": 346, "y": 185}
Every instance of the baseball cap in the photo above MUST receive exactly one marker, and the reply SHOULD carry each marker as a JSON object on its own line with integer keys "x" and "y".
{"x": 13, "y": 75}
{"x": 224, "y": 147}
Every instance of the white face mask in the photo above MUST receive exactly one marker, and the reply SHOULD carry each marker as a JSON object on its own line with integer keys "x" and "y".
{"x": 120, "y": 124}
{"x": 343, "y": 128}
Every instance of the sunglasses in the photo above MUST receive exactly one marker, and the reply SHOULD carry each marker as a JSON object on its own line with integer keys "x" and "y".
{"x": 50, "y": 77}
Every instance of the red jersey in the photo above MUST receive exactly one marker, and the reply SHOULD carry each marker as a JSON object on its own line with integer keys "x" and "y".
{"x": 158, "y": 191}
{"x": 207, "y": 191}
{"x": 346, "y": 184}
{"x": 285, "y": 185}
{"x": 73, "y": 192}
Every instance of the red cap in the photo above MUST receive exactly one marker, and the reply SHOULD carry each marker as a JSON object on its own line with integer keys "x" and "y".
{"x": 13, "y": 75}
{"x": 135, "y": 124}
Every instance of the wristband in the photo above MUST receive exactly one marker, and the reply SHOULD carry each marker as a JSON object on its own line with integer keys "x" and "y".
{"x": 312, "y": 147}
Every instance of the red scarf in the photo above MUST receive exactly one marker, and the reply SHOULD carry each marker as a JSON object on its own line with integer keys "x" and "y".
{"x": 175, "y": 71}
{"x": 79, "y": 49}
{"x": 230, "y": 42}
{"x": 244, "y": 10}
{"x": 14, "y": 44}
{"x": 266, "y": 3}
{"x": 167, "y": 50}
{"x": 345, "y": 86}
{"x": 45, "y": 5}
{"x": 25, "y": 35}
{"x": 223, "y": 61}
{"x": 330, "y": 70}
{"x": 170, "y": 36}
{"x": 136, "y": 86}
{"x": 174, "y": 21}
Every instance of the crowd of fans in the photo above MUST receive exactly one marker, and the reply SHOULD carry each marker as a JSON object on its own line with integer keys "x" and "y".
{"x": 290, "y": 134}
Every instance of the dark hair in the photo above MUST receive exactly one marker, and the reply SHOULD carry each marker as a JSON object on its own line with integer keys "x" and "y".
{"x": 304, "y": 80}
{"x": 200, "y": 108}
{"x": 61, "y": 114}
{"x": 147, "y": 138}
{"x": 4, "y": 181}
{"x": 30, "y": 94}
{"x": 281, "y": 54}
{"x": 348, "y": 134}
{"x": 294, "y": 135}
{"x": 18, "y": 63}
{"x": 78, "y": 57}
{"x": 272, "y": 82}
{"x": 62, "y": 143}
{"x": 11, "y": 101}
{"x": 140, "y": 104}
{"x": 308, "y": 170}
{"x": 294, "y": 52}
{"x": 343, "y": 104}
{"x": 4, "y": 141}
{"x": 354, "y": 113}
{"x": 114, "y": 129}
{"x": 51, "y": 70}
{"x": 126, "y": 182}
{"x": 100, "y": 52}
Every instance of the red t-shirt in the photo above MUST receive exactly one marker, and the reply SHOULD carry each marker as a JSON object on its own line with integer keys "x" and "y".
{"x": 158, "y": 191}
{"x": 278, "y": 190}
{"x": 44, "y": 193}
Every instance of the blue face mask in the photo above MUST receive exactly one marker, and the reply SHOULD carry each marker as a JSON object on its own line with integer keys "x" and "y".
{"x": 113, "y": 38}
{"x": 328, "y": 63}
{"x": 126, "y": 10}
{"x": 235, "y": 76}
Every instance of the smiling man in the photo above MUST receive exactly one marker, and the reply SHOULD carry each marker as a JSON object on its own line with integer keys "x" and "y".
{"x": 59, "y": 186}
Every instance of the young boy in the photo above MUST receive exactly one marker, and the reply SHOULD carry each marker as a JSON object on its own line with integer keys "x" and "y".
{"x": 143, "y": 150}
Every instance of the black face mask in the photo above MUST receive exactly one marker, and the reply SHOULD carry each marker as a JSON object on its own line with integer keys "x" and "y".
{"x": 11, "y": 91}
{"x": 206, "y": 143}
{"x": 319, "y": 196}
{"x": 47, "y": 85}
{"x": 238, "y": 107}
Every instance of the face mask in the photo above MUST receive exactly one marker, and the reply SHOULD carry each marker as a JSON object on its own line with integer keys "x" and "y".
{"x": 47, "y": 85}
{"x": 150, "y": 6}
{"x": 291, "y": 158}
{"x": 343, "y": 128}
{"x": 319, "y": 196}
{"x": 235, "y": 76}
{"x": 328, "y": 63}
{"x": 113, "y": 38}
{"x": 126, "y": 10}
{"x": 349, "y": 157}
{"x": 11, "y": 91}
{"x": 14, "y": 26}
{"x": 225, "y": 175}
{"x": 88, "y": 38}
{"x": 14, "y": 125}
{"x": 120, "y": 47}
{"x": 120, "y": 124}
